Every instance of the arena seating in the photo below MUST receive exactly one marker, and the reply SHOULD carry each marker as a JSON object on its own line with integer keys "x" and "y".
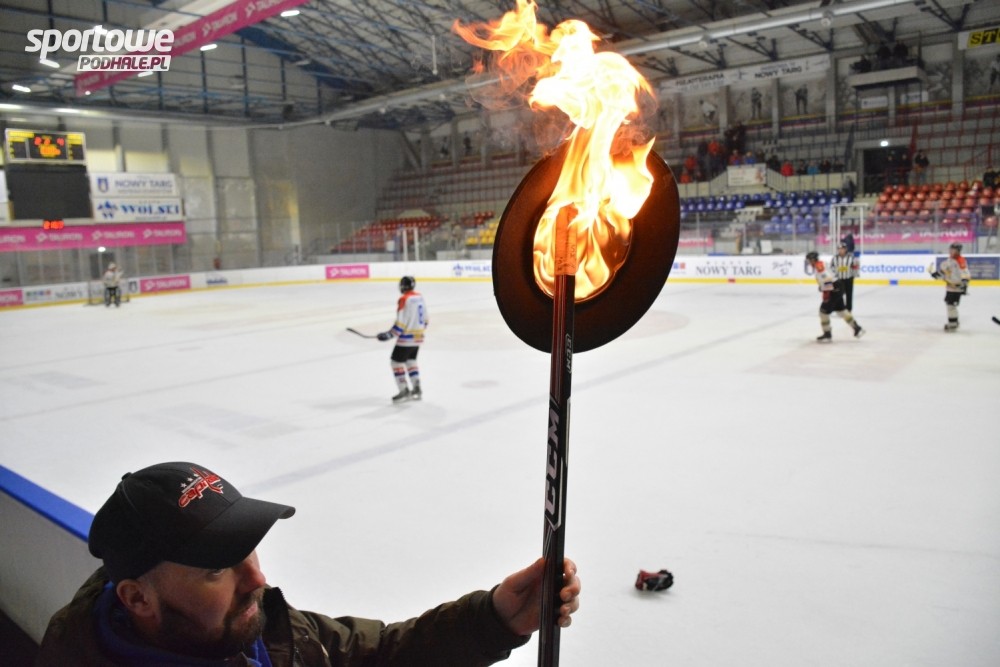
{"x": 373, "y": 237}
{"x": 948, "y": 203}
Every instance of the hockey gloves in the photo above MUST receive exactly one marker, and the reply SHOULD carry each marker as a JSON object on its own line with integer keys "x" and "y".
{"x": 385, "y": 335}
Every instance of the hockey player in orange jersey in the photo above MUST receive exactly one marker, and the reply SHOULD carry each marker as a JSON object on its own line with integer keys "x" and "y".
{"x": 833, "y": 299}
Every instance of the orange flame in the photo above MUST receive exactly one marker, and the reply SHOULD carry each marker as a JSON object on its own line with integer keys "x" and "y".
{"x": 586, "y": 228}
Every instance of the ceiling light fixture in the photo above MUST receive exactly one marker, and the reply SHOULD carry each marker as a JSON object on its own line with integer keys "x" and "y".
{"x": 148, "y": 72}
{"x": 209, "y": 47}
{"x": 21, "y": 89}
{"x": 289, "y": 13}
{"x": 827, "y": 19}
{"x": 49, "y": 63}
{"x": 763, "y": 22}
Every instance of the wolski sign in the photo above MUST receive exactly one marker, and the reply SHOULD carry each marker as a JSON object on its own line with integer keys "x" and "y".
{"x": 138, "y": 210}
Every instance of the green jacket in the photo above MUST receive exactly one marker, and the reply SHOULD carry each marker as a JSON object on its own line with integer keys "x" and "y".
{"x": 466, "y": 632}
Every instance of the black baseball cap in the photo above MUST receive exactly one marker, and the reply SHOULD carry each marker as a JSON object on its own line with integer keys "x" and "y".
{"x": 179, "y": 512}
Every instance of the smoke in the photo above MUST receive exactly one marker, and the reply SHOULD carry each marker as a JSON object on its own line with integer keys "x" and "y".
{"x": 523, "y": 62}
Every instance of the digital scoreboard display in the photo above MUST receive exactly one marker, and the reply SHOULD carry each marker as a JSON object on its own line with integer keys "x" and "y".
{"x": 38, "y": 146}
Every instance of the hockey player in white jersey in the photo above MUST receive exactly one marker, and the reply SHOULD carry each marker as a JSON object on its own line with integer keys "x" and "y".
{"x": 833, "y": 299}
{"x": 408, "y": 330}
{"x": 955, "y": 273}
{"x": 112, "y": 285}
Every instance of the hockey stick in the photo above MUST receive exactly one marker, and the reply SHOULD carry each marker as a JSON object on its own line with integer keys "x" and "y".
{"x": 560, "y": 377}
{"x": 996, "y": 319}
{"x": 356, "y": 332}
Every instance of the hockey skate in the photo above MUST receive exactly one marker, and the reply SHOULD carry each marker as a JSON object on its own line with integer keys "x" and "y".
{"x": 827, "y": 337}
{"x": 403, "y": 395}
{"x": 415, "y": 393}
{"x": 858, "y": 331}
{"x": 951, "y": 326}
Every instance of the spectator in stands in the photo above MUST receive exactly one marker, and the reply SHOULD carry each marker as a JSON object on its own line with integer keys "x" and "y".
{"x": 729, "y": 140}
{"x": 891, "y": 167}
{"x": 756, "y": 104}
{"x": 995, "y": 71}
{"x": 825, "y": 166}
{"x": 690, "y": 163}
{"x": 905, "y": 166}
{"x": 787, "y": 168}
{"x": 849, "y": 192}
{"x": 774, "y": 163}
{"x": 716, "y": 158}
{"x": 802, "y": 99}
{"x": 735, "y": 159}
{"x": 740, "y": 136}
{"x": 838, "y": 165}
{"x": 920, "y": 164}
{"x": 862, "y": 66}
{"x": 813, "y": 168}
{"x": 803, "y": 168}
{"x": 991, "y": 178}
{"x": 181, "y": 584}
{"x": 685, "y": 176}
{"x": 900, "y": 55}
{"x": 749, "y": 158}
{"x": 883, "y": 56}
{"x": 703, "y": 160}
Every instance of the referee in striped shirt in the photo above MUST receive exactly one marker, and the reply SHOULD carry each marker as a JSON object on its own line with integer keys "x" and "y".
{"x": 844, "y": 266}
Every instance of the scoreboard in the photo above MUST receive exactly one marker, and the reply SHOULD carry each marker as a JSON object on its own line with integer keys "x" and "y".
{"x": 41, "y": 147}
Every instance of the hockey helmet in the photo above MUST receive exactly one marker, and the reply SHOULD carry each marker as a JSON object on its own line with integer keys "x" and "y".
{"x": 812, "y": 256}
{"x": 112, "y": 266}
{"x": 956, "y": 246}
{"x": 406, "y": 283}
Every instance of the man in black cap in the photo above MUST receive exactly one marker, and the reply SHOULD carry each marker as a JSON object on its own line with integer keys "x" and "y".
{"x": 181, "y": 585}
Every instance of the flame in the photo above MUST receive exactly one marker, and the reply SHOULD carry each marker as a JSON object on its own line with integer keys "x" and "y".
{"x": 586, "y": 228}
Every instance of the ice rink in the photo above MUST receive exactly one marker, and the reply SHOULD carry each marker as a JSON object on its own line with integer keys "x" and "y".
{"x": 821, "y": 505}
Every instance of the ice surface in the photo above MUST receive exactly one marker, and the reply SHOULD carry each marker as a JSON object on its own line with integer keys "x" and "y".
{"x": 818, "y": 505}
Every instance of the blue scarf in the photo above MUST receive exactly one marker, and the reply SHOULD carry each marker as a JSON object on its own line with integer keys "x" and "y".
{"x": 118, "y": 639}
